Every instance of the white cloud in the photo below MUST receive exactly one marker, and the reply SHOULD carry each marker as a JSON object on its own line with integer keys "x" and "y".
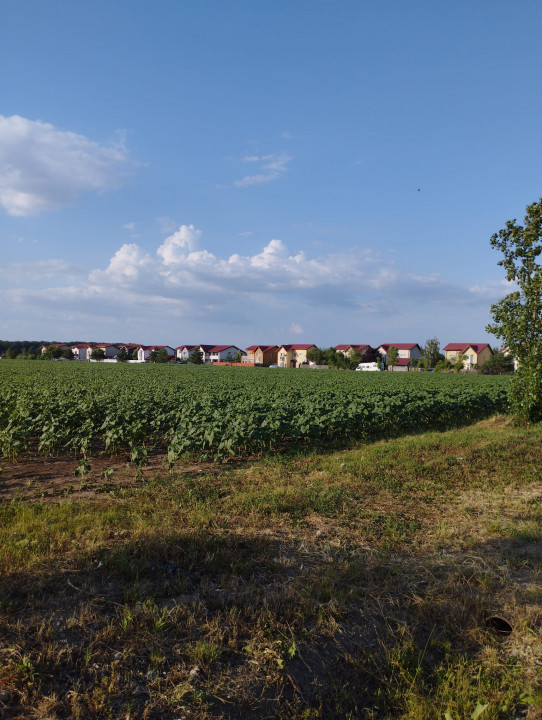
{"x": 125, "y": 267}
{"x": 354, "y": 279}
{"x": 271, "y": 168}
{"x": 176, "y": 247}
{"x": 181, "y": 285}
{"x": 43, "y": 168}
{"x": 129, "y": 226}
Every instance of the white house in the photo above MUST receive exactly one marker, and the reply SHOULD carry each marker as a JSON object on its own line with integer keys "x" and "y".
{"x": 406, "y": 352}
{"x": 110, "y": 351}
{"x": 219, "y": 353}
{"x": 183, "y": 352}
{"x": 205, "y": 351}
{"x": 80, "y": 351}
{"x": 144, "y": 351}
{"x": 412, "y": 351}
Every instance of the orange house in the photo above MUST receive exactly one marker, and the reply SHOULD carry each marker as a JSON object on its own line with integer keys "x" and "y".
{"x": 261, "y": 355}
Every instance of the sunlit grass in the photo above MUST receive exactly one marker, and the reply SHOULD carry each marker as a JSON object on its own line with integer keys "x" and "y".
{"x": 348, "y": 584}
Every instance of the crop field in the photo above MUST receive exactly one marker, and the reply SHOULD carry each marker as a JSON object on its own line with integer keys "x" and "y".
{"x": 213, "y": 413}
{"x": 372, "y": 551}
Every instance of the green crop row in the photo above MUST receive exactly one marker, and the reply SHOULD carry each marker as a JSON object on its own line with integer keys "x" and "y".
{"x": 219, "y": 412}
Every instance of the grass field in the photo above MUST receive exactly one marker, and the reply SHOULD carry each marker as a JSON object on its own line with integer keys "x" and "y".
{"x": 354, "y": 583}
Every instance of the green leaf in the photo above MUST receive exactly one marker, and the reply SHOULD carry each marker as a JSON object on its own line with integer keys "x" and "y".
{"x": 478, "y": 710}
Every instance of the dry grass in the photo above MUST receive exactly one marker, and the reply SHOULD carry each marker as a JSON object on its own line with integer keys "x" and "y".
{"x": 356, "y": 584}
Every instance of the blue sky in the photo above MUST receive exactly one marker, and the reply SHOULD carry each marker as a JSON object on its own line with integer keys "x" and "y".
{"x": 249, "y": 172}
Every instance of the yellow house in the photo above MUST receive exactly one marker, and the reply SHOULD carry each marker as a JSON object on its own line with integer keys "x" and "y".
{"x": 291, "y": 356}
{"x": 476, "y": 353}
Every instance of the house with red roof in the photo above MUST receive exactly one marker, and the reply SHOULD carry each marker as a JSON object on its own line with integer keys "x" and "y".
{"x": 62, "y": 346}
{"x": 476, "y": 353}
{"x": 261, "y": 355}
{"x": 144, "y": 351}
{"x": 183, "y": 352}
{"x": 220, "y": 353}
{"x": 110, "y": 351}
{"x": 131, "y": 350}
{"x": 406, "y": 353}
{"x": 205, "y": 351}
{"x": 351, "y": 349}
{"x": 291, "y": 356}
{"x": 80, "y": 351}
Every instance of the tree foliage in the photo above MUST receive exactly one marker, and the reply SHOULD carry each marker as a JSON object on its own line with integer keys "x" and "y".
{"x": 316, "y": 355}
{"x": 97, "y": 353}
{"x": 517, "y": 318}
{"x": 498, "y": 364}
{"x": 159, "y": 355}
{"x": 431, "y": 352}
{"x": 53, "y": 352}
{"x": 197, "y": 357}
{"x": 391, "y": 356}
{"x": 459, "y": 362}
{"x": 122, "y": 355}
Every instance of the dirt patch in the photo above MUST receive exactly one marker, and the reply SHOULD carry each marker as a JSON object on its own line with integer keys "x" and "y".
{"x": 53, "y": 479}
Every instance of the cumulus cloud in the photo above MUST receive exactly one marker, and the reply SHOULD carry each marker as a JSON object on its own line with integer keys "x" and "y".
{"x": 177, "y": 246}
{"x": 43, "y": 168}
{"x": 125, "y": 267}
{"x": 271, "y": 168}
{"x": 182, "y": 282}
{"x": 356, "y": 279}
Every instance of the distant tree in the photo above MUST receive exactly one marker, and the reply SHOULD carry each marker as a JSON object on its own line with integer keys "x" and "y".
{"x": 229, "y": 357}
{"x": 67, "y": 353}
{"x": 316, "y": 356}
{"x": 11, "y": 353}
{"x": 392, "y": 356}
{"x": 97, "y": 353}
{"x": 159, "y": 355}
{"x": 432, "y": 352}
{"x": 238, "y": 357}
{"x": 331, "y": 357}
{"x": 370, "y": 354}
{"x": 498, "y": 364}
{"x": 459, "y": 362}
{"x": 197, "y": 357}
{"x": 335, "y": 359}
{"x": 53, "y": 352}
{"x": 354, "y": 359}
{"x": 122, "y": 355}
{"x": 517, "y": 318}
